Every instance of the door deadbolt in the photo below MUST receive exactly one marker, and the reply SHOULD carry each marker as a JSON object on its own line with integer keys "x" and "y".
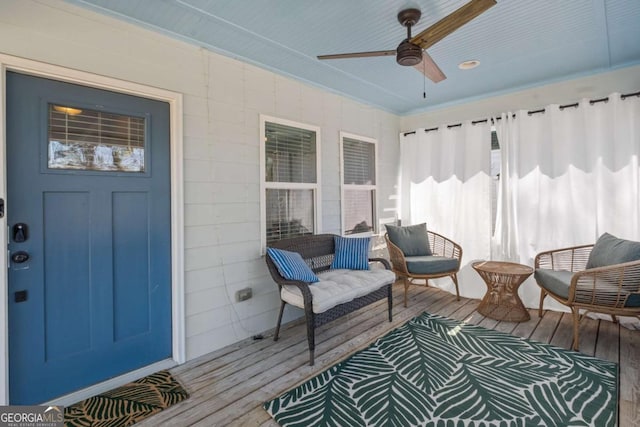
{"x": 20, "y": 257}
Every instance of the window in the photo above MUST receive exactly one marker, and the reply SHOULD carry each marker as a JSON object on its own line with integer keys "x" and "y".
{"x": 290, "y": 181}
{"x": 358, "y": 160}
{"x": 85, "y": 139}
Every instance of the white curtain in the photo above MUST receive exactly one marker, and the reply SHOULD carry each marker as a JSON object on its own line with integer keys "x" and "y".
{"x": 445, "y": 182}
{"x": 504, "y": 244}
{"x": 568, "y": 175}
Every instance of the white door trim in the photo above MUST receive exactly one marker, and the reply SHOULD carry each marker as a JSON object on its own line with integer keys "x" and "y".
{"x": 26, "y": 66}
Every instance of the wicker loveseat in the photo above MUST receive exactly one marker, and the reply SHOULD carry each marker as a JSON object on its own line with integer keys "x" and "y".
{"x": 600, "y": 278}
{"x": 337, "y": 291}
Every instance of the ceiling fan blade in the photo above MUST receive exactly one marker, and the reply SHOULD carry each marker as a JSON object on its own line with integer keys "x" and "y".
{"x": 452, "y": 22}
{"x": 429, "y": 68}
{"x": 359, "y": 54}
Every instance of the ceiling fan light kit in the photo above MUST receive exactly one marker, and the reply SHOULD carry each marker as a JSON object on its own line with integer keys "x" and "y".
{"x": 412, "y": 50}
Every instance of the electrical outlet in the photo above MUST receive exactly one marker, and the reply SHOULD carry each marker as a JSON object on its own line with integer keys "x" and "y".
{"x": 244, "y": 294}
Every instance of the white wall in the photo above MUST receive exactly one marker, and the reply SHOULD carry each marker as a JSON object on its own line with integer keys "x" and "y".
{"x": 223, "y": 98}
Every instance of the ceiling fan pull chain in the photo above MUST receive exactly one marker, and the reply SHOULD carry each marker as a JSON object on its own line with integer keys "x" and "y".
{"x": 424, "y": 80}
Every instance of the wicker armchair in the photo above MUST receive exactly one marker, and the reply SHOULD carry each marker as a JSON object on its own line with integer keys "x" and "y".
{"x": 441, "y": 247}
{"x": 613, "y": 289}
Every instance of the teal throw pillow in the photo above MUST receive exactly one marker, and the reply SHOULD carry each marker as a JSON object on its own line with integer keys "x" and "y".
{"x": 351, "y": 253}
{"x": 291, "y": 266}
{"x": 610, "y": 250}
{"x": 412, "y": 239}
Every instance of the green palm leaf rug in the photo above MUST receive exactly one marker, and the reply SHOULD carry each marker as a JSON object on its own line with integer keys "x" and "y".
{"x": 435, "y": 371}
{"x": 127, "y": 405}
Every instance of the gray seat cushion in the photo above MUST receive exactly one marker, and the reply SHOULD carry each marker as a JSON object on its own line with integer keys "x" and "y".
{"x": 610, "y": 250}
{"x": 633, "y": 301}
{"x": 412, "y": 240}
{"x": 431, "y": 264}
{"x": 555, "y": 281}
{"x": 559, "y": 281}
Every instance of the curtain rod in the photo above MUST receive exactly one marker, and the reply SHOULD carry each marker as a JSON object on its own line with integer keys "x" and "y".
{"x": 532, "y": 112}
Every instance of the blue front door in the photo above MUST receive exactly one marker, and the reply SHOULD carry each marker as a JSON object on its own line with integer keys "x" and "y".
{"x": 88, "y": 212}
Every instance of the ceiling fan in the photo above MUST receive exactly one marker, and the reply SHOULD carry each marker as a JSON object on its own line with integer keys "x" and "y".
{"x": 411, "y": 51}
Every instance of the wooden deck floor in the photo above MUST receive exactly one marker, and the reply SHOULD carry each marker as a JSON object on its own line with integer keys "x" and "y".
{"x": 228, "y": 387}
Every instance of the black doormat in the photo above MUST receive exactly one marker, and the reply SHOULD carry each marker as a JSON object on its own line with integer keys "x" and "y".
{"x": 127, "y": 405}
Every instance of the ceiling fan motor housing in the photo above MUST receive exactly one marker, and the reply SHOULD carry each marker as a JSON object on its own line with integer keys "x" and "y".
{"x": 408, "y": 54}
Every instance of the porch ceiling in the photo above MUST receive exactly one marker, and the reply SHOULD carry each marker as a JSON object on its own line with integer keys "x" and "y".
{"x": 519, "y": 44}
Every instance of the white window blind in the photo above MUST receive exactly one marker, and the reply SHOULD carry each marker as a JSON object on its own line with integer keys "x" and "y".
{"x": 290, "y": 153}
{"x": 74, "y": 125}
{"x": 359, "y": 162}
{"x": 358, "y": 184}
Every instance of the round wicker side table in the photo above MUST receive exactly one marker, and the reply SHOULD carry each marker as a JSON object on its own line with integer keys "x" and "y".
{"x": 501, "y": 302}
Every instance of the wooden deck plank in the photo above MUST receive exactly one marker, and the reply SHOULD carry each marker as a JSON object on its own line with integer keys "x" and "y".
{"x": 488, "y": 323}
{"x": 563, "y": 334}
{"x": 466, "y": 313}
{"x": 229, "y": 386}
{"x": 608, "y": 343}
{"x": 362, "y": 339}
{"x": 629, "y": 393}
{"x": 506, "y": 327}
{"x": 546, "y": 328}
{"x": 589, "y": 335}
{"x": 525, "y": 329}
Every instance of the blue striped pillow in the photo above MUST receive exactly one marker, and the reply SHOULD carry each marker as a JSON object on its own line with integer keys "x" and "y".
{"x": 291, "y": 265}
{"x": 351, "y": 253}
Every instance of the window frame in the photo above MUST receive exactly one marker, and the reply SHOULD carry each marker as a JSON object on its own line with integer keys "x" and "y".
{"x": 363, "y": 187}
{"x": 268, "y": 185}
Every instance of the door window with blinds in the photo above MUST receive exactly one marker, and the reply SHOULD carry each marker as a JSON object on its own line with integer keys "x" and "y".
{"x": 92, "y": 140}
{"x": 358, "y": 184}
{"x": 290, "y": 179}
